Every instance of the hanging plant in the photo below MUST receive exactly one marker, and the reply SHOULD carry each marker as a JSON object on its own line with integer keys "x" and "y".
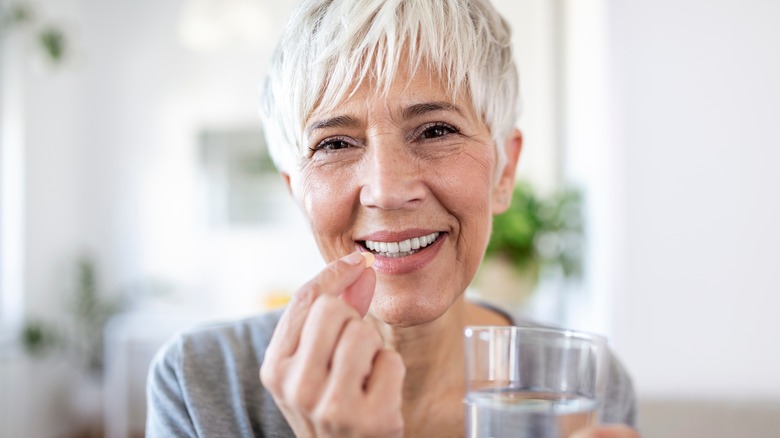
{"x": 48, "y": 38}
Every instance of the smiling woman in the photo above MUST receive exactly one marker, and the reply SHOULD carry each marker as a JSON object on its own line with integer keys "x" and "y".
{"x": 393, "y": 125}
{"x": 415, "y": 165}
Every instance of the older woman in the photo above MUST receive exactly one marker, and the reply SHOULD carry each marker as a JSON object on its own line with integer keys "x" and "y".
{"x": 393, "y": 124}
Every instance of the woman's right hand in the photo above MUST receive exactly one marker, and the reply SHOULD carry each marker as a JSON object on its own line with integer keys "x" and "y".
{"x": 326, "y": 368}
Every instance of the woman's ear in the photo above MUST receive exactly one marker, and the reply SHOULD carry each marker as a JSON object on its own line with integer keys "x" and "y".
{"x": 502, "y": 190}
{"x": 286, "y": 178}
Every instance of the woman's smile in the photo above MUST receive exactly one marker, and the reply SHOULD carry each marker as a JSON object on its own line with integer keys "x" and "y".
{"x": 402, "y": 252}
{"x": 401, "y": 248}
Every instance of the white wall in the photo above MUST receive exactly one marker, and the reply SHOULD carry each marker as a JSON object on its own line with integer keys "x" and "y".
{"x": 536, "y": 44}
{"x": 110, "y": 142}
{"x": 11, "y": 187}
{"x": 56, "y": 168}
{"x": 696, "y": 302}
{"x": 112, "y": 166}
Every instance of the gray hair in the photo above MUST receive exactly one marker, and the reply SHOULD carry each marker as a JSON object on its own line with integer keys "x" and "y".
{"x": 331, "y": 46}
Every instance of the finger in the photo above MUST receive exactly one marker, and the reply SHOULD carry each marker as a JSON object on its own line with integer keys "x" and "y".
{"x": 615, "y": 431}
{"x": 385, "y": 384}
{"x": 384, "y": 391}
{"x": 336, "y": 409}
{"x": 339, "y": 410}
{"x": 322, "y": 330}
{"x": 333, "y": 280}
{"x": 360, "y": 293}
{"x": 353, "y": 359}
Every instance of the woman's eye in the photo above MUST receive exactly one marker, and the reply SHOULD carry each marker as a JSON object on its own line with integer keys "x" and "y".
{"x": 437, "y": 131}
{"x": 332, "y": 144}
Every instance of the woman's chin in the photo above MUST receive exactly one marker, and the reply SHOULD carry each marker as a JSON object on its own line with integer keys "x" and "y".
{"x": 407, "y": 310}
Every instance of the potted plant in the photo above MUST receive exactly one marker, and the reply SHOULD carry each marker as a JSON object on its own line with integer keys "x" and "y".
{"x": 538, "y": 236}
{"x": 78, "y": 341}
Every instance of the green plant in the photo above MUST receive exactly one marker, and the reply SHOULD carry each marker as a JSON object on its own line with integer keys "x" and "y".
{"x": 38, "y": 337}
{"x": 544, "y": 232}
{"x": 89, "y": 313}
{"x": 80, "y": 333}
{"x": 49, "y": 38}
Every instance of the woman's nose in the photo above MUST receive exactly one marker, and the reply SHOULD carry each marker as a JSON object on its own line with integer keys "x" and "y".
{"x": 392, "y": 179}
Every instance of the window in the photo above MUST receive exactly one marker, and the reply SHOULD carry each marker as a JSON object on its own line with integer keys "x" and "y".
{"x": 11, "y": 189}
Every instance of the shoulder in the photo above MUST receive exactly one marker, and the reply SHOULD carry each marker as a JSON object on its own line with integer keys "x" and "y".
{"x": 207, "y": 343}
{"x": 209, "y": 350}
{"x": 245, "y": 335}
{"x": 206, "y": 379}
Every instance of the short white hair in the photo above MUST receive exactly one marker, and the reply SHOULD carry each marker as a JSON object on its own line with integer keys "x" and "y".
{"x": 330, "y": 47}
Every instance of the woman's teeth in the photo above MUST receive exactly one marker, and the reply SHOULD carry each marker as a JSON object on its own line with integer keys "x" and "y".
{"x": 402, "y": 248}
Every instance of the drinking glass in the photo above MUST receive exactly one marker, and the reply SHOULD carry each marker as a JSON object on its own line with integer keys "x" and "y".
{"x": 532, "y": 382}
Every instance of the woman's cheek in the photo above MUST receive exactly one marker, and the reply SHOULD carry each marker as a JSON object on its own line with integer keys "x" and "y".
{"x": 466, "y": 192}
{"x": 323, "y": 202}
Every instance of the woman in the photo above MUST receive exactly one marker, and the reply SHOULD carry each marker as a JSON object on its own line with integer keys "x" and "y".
{"x": 392, "y": 123}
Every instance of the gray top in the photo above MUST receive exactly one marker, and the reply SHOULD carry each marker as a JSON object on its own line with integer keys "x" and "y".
{"x": 205, "y": 382}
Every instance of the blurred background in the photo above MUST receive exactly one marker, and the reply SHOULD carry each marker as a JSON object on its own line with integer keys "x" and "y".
{"x": 136, "y": 198}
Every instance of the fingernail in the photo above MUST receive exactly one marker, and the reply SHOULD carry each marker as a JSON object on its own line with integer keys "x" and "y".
{"x": 357, "y": 258}
{"x": 354, "y": 259}
{"x": 369, "y": 258}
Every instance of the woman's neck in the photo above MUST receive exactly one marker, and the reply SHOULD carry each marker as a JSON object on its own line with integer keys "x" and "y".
{"x": 431, "y": 348}
{"x": 433, "y": 354}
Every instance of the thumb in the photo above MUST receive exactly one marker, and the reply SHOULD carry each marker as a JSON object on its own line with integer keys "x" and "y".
{"x": 359, "y": 294}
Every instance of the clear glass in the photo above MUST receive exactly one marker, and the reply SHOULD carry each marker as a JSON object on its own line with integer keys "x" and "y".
{"x": 531, "y": 382}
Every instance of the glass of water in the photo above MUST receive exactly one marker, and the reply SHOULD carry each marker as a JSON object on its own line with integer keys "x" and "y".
{"x": 532, "y": 382}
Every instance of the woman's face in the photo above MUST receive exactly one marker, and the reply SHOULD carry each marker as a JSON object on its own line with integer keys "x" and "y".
{"x": 408, "y": 176}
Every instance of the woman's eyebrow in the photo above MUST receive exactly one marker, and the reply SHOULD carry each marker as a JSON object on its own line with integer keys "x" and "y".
{"x": 418, "y": 109}
{"x": 427, "y": 107}
{"x": 333, "y": 122}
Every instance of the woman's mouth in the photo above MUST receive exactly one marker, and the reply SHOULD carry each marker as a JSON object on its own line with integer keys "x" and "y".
{"x": 402, "y": 248}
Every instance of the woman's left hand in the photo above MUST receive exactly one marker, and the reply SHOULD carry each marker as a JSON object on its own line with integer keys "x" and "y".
{"x": 617, "y": 431}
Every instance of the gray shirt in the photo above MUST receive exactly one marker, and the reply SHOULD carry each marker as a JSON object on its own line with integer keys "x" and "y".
{"x": 205, "y": 382}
